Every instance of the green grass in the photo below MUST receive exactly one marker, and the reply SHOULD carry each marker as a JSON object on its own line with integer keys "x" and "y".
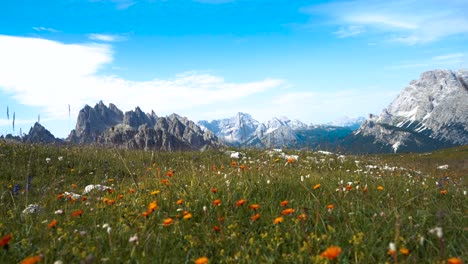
{"x": 361, "y": 223}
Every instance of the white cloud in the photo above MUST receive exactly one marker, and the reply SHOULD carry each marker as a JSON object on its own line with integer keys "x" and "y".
{"x": 349, "y": 31}
{"x": 106, "y": 37}
{"x": 45, "y": 29}
{"x": 452, "y": 56}
{"x": 51, "y": 75}
{"x": 406, "y": 21}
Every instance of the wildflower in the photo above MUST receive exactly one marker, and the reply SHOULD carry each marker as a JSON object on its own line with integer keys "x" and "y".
{"x": 404, "y": 251}
{"x": 73, "y": 186}
{"x": 214, "y": 190}
{"x": 331, "y": 252}
{"x": 58, "y": 212}
{"x": 454, "y": 261}
{"x": 110, "y": 180}
{"x": 443, "y": 192}
{"x": 241, "y": 202}
{"x": 349, "y": 187}
{"x": 278, "y": 220}
{"x": 287, "y": 211}
{"x": 179, "y": 202}
{"x": 170, "y": 173}
{"x": 187, "y": 215}
{"x": 52, "y": 224}
{"x": 391, "y": 249}
{"x": 168, "y": 221}
{"x": 255, "y": 217}
{"x": 121, "y": 196}
{"x": 242, "y": 167}
{"x": 165, "y": 182}
{"x": 437, "y": 231}
{"x": 4, "y": 241}
{"x": 202, "y": 260}
{"x": 284, "y": 203}
{"x": 152, "y": 206}
{"x": 364, "y": 190}
{"x": 155, "y": 192}
{"x": 380, "y": 188}
{"x": 146, "y": 214}
{"x": 131, "y": 190}
{"x": 133, "y": 239}
{"x": 31, "y": 260}
{"x": 291, "y": 160}
{"x": 60, "y": 196}
{"x": 216, "y": 228}
{"x": 302, "y": 217}
{"x": 317, "y": 186}
{"x": 77, "y": 213}
{"x": 216, "y": 202}
{"x": 254, "y": 206}
{"x": 233, "y": 164}
{"x": 330, "y": 207}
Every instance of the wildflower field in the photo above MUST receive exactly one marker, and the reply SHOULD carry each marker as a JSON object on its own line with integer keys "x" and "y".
{"x": 94, "y": 205}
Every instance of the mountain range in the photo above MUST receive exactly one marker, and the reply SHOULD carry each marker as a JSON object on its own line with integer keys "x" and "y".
{"x": 430, "y": 113}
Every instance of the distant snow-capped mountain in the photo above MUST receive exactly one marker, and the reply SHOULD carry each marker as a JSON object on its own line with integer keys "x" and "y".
{"x": 243, "y": 130}
{"x": 345, "y": 121}
{"x": 429, "y": 113}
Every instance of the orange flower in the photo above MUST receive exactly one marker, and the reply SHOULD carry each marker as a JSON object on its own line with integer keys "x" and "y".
{"x": 233, "y": 163}
{"x": 216, "y": 228}
{"x": 202, "y": 260}
{"x": 73, "y": 186}
{"x": 165, "y": 182}
{"x": 254, "y": 206}
{"x": 349, "y": 187}
{"x": 287, "y": 211}
{"x": 454, "y": 261}
{"x": 179, "y": 202}
{"x": 170, "y": 173}
{"x": 84, "y": 198}
{"x": 31, "y": 260}
{"x": 255, "y": 217}
{"x": 152, "y": 206}
{"x": 317, "y": 186}
{"x": 110, "y": 202}
{"x": 241, "y": 202}
{"x": 242, "y": 167}
{"x": 278, "y": 220}
{"x": 77, "y": 213}
{"x": 284, "y": 203}
{"x": 168, "y": 221}
{"x": 216, "y": 202}
{"x": 52, "y": 224}
{"x": 443, "y": 192}
{"x": 302, "y": 217}
{"x": 365, "y": 189}
{"x": 5, "y": 240}
{"x": 391, "y": 252}
{"x": 331, "y": 252}
{"x": 131, "y": 190}
{"x": 146, "y": 214}
{"x": 110, "y": 180}
{"x": 380, "y": 188}
{"x": 330, "y": 206}
{"x": 214, "y": 190}
{"x": 291, "y": 160}
{"x": 60, "y": 196}
{"x": 187, "y": 215}
{"x": 121, "y": 196}
{"x": 404, "y": 251}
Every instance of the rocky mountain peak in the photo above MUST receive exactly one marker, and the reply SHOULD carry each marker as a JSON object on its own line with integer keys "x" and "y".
{"x": 39, "y": 134}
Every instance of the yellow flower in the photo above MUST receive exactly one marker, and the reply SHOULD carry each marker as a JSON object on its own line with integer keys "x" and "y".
{"x": 331, "y": 252}
{"x": 380, "y": 188}
{"x": 152, "y": 206}
{"x": 187, "y": 216}
{"x": 317, "y": 186}
{"x": 404, "y": 251}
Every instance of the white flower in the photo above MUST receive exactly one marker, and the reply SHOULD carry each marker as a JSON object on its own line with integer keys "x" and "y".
{"x": 47, "y": 160}
{"x": 421, "y": 241}
{"x": 437, "y": 231}
{"x": 58, "y": 212}
{"x": 392, "y": 246}
{"x": 302, "y": 178}
{"x": 204, "y": 208}
{"x": 268, "y": 181}
{"x": 133, "y": 239}
{"x": 109, "y": 229}
{"x": 105, "y": 225}
{"x": 60, "y": 158}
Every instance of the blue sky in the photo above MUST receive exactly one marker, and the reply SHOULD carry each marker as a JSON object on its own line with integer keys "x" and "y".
{"x": 315, "y": 61}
